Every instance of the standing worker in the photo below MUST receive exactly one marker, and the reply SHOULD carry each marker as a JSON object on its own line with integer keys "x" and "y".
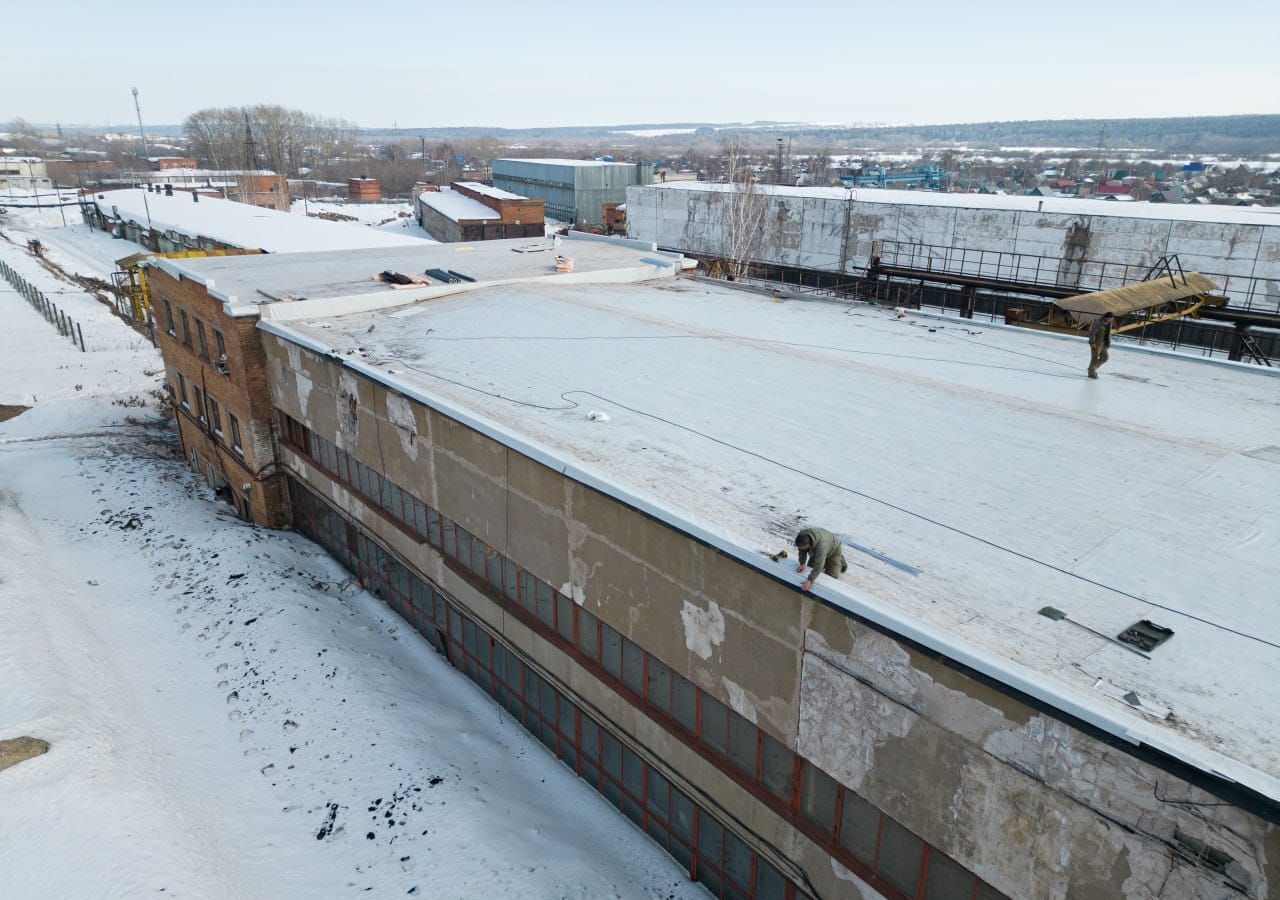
{"x": 1100, "y": 341}
{"x": 821, "y": 550}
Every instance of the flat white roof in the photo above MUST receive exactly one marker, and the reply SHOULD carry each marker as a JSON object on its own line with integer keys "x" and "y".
{"x": 246, "y": 282}
{"x": 490, "y": 191}
{"x": 981, "y": 458}
{"x": 1235, "y": 215}
{"x": 565, "y": 162}
{"x": 455, "y": 206}
{"x": 242, "y": 225}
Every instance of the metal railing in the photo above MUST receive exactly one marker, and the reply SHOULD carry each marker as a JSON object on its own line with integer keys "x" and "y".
{"x": 67, "y": 327}
{"x": 1081, "y": 276}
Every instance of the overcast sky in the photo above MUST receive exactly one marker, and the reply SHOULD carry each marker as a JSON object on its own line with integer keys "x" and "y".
{"x": 551, "y": 62}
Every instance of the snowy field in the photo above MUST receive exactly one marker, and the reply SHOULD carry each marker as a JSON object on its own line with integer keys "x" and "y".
{"x": 229, "y": 715}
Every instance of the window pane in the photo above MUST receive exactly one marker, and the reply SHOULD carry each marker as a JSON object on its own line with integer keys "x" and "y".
{"x": 469, "y": 636}
{"x": 590, "y": 773}
{"x": 450, "y": 537}
{"x": 682, "y": 853}
{"x": 633, "y": 811}
{"x": 859, "y": 824}
{"x": 433, "y": 527}
{"x": 899, "y": 860}
{"x": 611, "y": 651}
{"x": 709, "y": 879}
{"x": 546, "y": 610}
{"x": 742, "y": 744}
{"x": 777, "y": 768}
{"x": 564, "y": 617}
{"x": 710, "y": 838}
{"x": 611, "y": 755}
{"x": 633, "y": 666}
{"x": 659, "y": 685}
{"x": 564, "y": 713}
{"x": 590, "y": 740}
{"x": 531, "y": 689}
{"x": 658, "y": 789}
{"x": 493, "y": 569}
{"x": 737, "y": 860}
{"x": 818, "y": 798}
{"x": 714, "y": 723}
{"x": 548, "y": 698}
{"x": 946, "y": 879}
{"x": 478, "y": 553}
{"x": 527, "y": 591}
{"x": 588, "y": 639}
{"x": 632, "y": 772}
{"x": 681, "y": 815}
{"x": 510, "y": 586}
{"x": 684, "y": 700}
{"x": 770, "y": 885}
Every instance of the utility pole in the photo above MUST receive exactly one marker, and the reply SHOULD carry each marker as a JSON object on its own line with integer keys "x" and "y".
{"x": 146, "y": 154}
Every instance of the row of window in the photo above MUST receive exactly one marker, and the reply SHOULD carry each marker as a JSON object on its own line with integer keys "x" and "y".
{"x": 866, "y": 840}
{"x": 712, "y": 854}
{"x": 219, "y": 357}
{"x": 207, "y": 411}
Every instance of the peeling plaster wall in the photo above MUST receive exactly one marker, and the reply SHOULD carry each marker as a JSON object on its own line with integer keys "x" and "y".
{"x": 1032, "y": 805}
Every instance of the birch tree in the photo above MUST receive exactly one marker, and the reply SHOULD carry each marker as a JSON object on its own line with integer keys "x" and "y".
{"x": 743, "y": 210}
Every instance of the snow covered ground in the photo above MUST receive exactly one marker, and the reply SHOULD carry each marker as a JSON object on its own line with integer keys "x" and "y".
{"x": 229, "y": 715}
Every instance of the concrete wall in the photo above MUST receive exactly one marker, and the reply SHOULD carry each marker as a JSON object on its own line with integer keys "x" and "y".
{"x": 836, "y": 235}
{"x": 1030, "y": 803}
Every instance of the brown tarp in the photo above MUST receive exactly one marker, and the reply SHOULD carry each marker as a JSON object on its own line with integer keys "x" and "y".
{"x": 1144, "y": 295}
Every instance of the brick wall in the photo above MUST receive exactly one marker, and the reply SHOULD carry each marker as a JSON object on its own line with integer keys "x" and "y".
{"x": 240, "y": 391}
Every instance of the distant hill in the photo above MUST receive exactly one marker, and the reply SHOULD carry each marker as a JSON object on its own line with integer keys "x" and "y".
{"x": 1258, "y": 134}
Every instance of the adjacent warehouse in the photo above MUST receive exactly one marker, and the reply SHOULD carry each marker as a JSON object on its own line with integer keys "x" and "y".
{"x": 470, "y": 211}
{"x": 1062, "y": 241}
{"x": 171, "y": 221}
{"x": 574, "y": 190}
{"x": 591, "y": 549}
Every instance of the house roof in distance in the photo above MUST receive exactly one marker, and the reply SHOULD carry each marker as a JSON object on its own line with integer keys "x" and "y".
{"x": 455, "y": 206}
{"x": 241, "y": 224}
{"x": 974, "y": 472}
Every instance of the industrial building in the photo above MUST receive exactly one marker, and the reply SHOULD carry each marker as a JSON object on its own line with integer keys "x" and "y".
{"x": 574, "y": 190}
{"x": 166, "y": 221}
{"x": 470, "y": 211}
{"x": 1014, "y": 691}
{"x": 23, "y": 173}
{"x": 991, "y": 251}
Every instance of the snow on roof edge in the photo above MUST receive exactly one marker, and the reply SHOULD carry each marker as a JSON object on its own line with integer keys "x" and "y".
{"x": 1093, "y": 711}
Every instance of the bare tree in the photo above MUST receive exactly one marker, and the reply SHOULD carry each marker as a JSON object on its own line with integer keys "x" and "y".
{"x": 743, "y": 210}
{"x": 283, "y": 139}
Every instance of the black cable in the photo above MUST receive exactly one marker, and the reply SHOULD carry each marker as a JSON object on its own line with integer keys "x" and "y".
{"x": 711, "y": 337}
{"x": 570, "y": 404}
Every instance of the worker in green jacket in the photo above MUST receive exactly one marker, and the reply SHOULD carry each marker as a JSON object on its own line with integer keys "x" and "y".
{"x": 1100, "y": 341}
{"x": 820, "y": 550}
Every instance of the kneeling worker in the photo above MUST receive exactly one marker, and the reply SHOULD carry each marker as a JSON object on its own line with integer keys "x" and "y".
{"x": 821, "y": 550}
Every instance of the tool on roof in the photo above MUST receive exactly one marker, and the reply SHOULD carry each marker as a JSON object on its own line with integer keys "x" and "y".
{"x": 1058, "y": 615}
{"x": 446, "y": 277}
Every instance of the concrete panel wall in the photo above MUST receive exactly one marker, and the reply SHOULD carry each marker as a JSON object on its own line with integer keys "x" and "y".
{"x": 821, "y": 232}
{"x": 1030, "y": 803}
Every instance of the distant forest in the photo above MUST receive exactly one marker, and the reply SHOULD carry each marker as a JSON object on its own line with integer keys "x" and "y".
{"x": 1192, "y": 134}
